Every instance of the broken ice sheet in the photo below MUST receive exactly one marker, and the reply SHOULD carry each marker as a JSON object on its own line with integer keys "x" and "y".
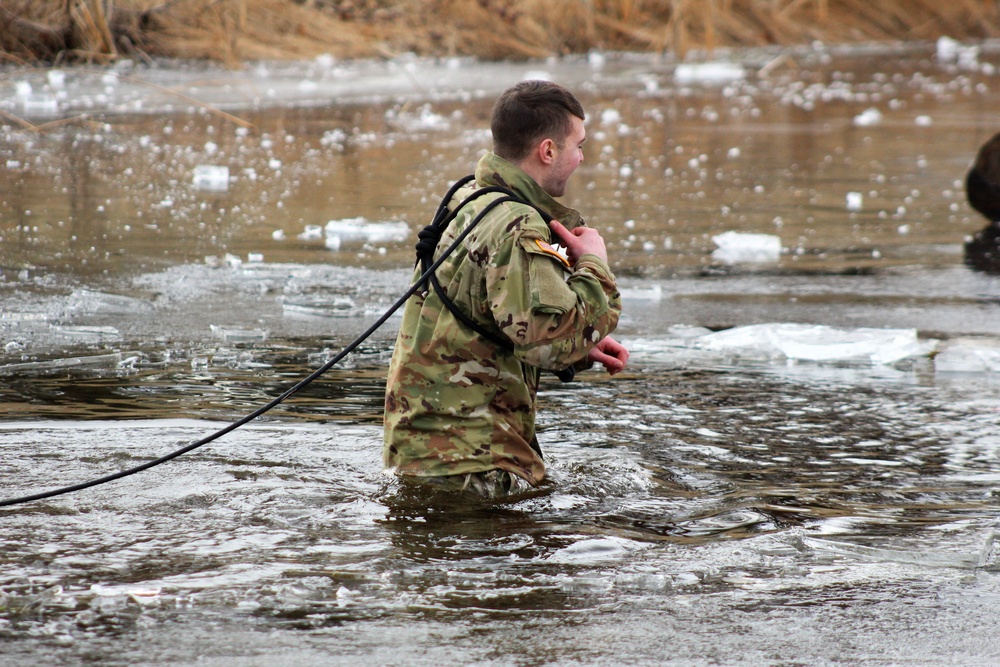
{"x": 911, "y": 556}
{"x": 800, "y": 342}
{"x": 233, "y": 335}
{"x": 821, "y": 343}
{"x": 93, "y": 302}
{"x": 968, "y": 355}
{"x": 86, "y": 333}
{"x": 112, "y": 360}
{"x": 24, "y": 321}
{"x": 305, "y": 308}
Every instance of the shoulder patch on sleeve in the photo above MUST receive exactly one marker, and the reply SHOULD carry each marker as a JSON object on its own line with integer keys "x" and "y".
{"x": 549, "y": 250}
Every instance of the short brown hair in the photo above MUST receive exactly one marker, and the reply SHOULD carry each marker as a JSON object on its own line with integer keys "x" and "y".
{"x": 531, "y": 111}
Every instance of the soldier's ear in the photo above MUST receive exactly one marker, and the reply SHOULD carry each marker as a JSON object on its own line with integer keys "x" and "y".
{"x": 546, "y": 151}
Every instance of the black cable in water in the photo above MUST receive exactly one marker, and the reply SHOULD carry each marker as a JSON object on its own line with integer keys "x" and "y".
{"x": 414, "y": 288}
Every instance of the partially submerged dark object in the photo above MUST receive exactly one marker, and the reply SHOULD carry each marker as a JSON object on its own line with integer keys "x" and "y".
{"x": 982, "y": 188}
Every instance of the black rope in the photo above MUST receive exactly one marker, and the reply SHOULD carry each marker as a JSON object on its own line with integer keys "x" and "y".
{"x": 502, "y": 343}
{"x": 430, "y": 236}
{"x": 414, "y": 288}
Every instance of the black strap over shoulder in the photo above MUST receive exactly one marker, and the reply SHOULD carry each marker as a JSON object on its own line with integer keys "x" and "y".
{"x": 430, "y": 236}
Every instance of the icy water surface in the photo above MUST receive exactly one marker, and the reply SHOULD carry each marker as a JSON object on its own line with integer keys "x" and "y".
{"x": 798, "y": 468}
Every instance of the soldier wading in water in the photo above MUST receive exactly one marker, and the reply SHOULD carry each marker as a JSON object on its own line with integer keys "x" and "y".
{"x": 505, "y": 305}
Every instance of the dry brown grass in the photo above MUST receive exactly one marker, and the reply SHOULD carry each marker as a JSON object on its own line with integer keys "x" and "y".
{"x": 234, "y": 31}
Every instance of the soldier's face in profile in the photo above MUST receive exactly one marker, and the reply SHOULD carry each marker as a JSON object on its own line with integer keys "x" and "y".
{"x": 568, "y": 157}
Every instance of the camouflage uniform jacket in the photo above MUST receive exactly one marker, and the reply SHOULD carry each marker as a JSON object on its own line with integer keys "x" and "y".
{"x": 458, "y": 403}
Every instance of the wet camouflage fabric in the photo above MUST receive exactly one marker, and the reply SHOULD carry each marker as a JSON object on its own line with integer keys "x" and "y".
{"x": 456, "y": 403}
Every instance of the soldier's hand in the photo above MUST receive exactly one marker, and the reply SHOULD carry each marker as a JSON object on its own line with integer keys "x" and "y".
{"x": 609, "y": 353}
{"x": 579, "y": 241}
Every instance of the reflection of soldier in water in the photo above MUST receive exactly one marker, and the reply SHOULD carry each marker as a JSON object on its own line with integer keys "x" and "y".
{"x": 982, "y": 187}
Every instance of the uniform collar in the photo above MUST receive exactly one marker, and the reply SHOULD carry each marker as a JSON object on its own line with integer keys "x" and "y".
{"x": 494, "y": 170}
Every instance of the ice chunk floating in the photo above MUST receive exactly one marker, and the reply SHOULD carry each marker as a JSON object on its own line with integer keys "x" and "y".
{"x": 868, "y": 117}
{"x": 709, "y": 73}
{"x": 854, "y": 201}
{"x": 789, "y": 341}
{"x": 821, "y": 343}
{"x": 359, "y": 230}
{"x": 211, "y": 177}
{"x": 736, "y": 247}
{"x": 969, "y": 356}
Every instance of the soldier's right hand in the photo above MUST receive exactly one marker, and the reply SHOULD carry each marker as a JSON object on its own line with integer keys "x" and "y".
{"x": 579, "y": 241}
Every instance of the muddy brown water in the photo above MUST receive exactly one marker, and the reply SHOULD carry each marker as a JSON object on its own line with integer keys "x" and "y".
{"x": 716, "y": 504}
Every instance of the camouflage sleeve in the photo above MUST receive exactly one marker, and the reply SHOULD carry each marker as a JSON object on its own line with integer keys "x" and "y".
{"x": 554, "y": 314}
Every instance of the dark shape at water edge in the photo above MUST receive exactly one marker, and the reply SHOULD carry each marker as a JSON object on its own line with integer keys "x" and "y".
{"x": 982, "y": 251}
{"x": 982, "y": 188}
{"x": 982, "y": 184}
